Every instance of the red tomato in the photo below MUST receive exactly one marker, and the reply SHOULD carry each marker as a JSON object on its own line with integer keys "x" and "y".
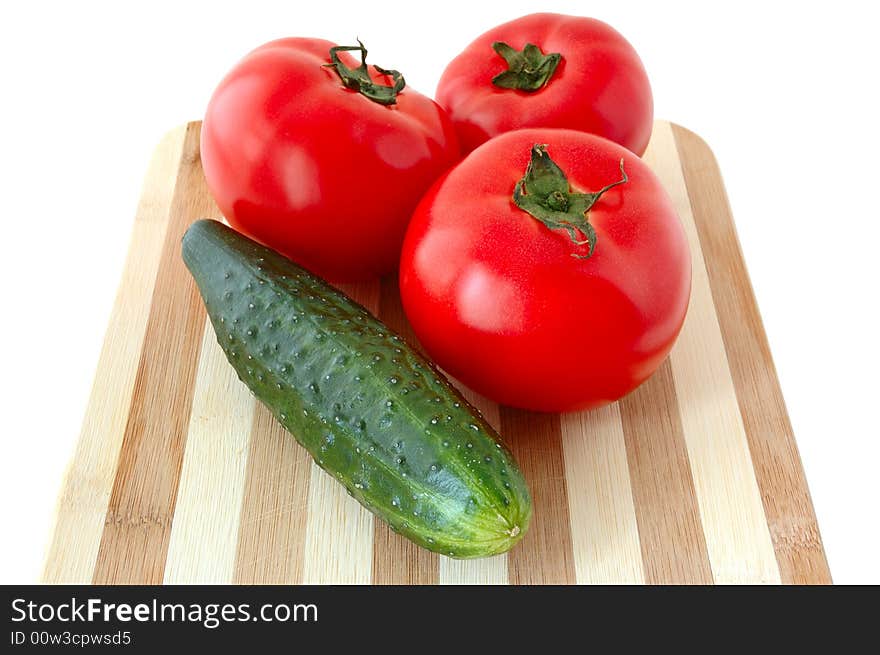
{"x": 326, "y": 172}
{"x": 501, "y": 288}
{"x": 549, "y": 70}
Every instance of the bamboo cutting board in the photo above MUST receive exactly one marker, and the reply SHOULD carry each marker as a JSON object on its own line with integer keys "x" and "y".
{"x": 180, "y": 476}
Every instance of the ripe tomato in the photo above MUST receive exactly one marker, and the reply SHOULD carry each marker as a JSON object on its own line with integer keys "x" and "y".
{"x": 322, "y": 162}
{"x": 549, "y": 70}
{"x": 515, "y": 290}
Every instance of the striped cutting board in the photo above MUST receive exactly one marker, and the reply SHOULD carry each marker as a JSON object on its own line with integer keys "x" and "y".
{"x": 180, "y": 476}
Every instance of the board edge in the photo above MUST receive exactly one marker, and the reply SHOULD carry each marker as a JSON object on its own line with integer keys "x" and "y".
{"x": 171, "y": 138}
{"x": 687, "y": 140}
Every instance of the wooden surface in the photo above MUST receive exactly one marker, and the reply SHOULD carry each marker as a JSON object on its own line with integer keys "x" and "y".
{"x": 181, "y": 476}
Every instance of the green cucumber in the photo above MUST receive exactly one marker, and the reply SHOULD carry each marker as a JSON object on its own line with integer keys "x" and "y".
{"x": 371, "y": 411}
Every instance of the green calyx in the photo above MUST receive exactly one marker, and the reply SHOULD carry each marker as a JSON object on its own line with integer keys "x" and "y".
{"x": 359, "y": 78}
{"x": 529, "y": 68}
{"x": 545, "y": 194}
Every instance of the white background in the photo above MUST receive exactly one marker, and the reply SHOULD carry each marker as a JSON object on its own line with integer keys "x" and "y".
{"x": 785, "y": 93}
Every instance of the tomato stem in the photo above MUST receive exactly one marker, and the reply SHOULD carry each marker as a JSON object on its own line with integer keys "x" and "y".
{"x": 529, "y": 69}
{"x": 545, "y": 194}
{"x": 359, "y": 78}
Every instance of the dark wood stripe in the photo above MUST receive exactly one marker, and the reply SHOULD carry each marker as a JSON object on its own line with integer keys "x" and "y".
{"x": 134, "y": 543}
{"x": 272, "y": 531}
{"x": 780, "y": 476}
{"x": 545, "y": 555}
{"x": 670, "y": 531}
{"x": 397, "y": 560}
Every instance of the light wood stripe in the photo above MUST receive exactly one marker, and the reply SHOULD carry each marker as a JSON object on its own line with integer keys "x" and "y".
{"x": 670, "y": 533}
{"x": 82, "y": 505}
{"x": 737, "y": 537}
{"x": 544, "y": 556}
{"x": 777, "y": 465}
{"x": 339, "y": 536}
{"x": 134, "y": 543}
{"x": 272, "y": 531}
{"x": 486, "y": 570}
{"x": 483, "y": 571}
{"x": 339, "y": 532}
{"x": 604, "y": 530}
{"x": 212, "y": 479}
{"x": 396, "y": 560}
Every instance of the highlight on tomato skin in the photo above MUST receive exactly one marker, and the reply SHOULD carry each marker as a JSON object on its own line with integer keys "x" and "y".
{"x": 312, "y": 151}
{"x": 549, "y": 70}
{"x": 506, "y": 295}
